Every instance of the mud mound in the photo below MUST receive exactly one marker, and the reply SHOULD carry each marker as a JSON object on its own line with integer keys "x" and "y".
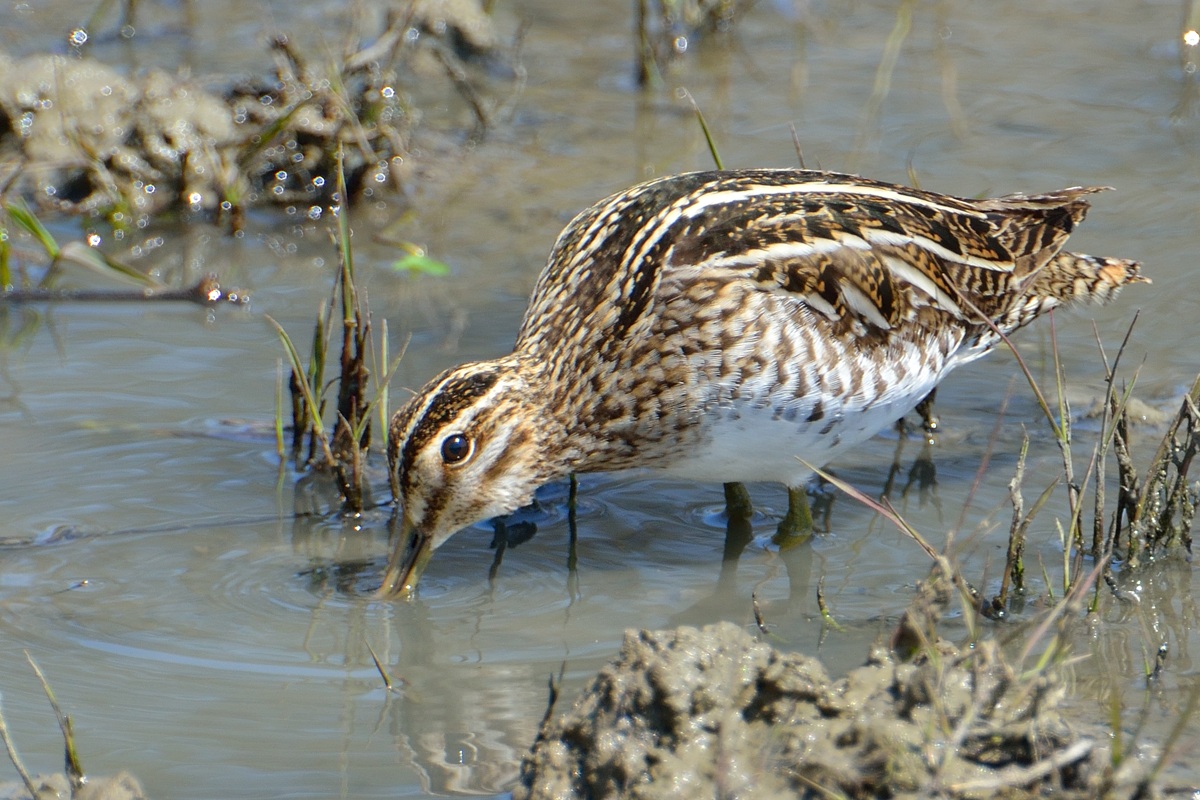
{"x": 716, "y": 713}
{"x": 79, "y": 136}
{"x": 121, "y": 786}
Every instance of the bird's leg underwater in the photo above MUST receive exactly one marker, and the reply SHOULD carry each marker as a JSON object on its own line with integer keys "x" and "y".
{"x": 797, "y": 524}
{"x": 573, "y": 532}
{"x": 737, "y": 501}
{"x": 929, "y": 417}
{"x": 795, "y": 527}
{"x": 738, "y": 533}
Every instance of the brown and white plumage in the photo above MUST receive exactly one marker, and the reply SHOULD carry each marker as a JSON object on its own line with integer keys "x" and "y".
{"x": 724, "y": 325}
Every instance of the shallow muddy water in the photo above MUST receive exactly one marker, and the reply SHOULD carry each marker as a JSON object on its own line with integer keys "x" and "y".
{"x": 214, "y": 643}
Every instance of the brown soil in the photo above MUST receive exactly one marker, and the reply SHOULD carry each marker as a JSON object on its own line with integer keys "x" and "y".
{"x": 121, "y": 786}
{"x": 79, "y": 136}
{"x": 717, "y": 713}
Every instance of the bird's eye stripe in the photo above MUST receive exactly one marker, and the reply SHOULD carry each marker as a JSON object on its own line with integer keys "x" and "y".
{"x": 450, "y": 395}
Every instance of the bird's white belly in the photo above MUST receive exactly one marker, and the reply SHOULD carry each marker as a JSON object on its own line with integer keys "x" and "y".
{"x": 750, "y": 444}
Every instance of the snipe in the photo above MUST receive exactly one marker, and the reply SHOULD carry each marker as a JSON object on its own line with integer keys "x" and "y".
{"x": 721, "y": 326}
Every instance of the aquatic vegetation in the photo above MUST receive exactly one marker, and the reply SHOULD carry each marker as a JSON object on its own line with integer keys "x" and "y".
{"x": 36, "y": 282}
{"x": 1154, "y": 509}
{"x": 342, "y": 450}
{"x": 74, "y": 782}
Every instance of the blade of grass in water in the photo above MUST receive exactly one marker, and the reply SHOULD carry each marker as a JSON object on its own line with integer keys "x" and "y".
{"x": 20, "y": 214}
{"x": 314, "y": 416}
{"x": 712, "y": 145}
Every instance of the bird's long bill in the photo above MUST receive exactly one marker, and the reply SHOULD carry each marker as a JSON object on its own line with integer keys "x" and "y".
{"x": 412, "y": 550}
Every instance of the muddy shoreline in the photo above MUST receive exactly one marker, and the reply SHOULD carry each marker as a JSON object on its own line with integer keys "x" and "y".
{"x": 78, "y": 136}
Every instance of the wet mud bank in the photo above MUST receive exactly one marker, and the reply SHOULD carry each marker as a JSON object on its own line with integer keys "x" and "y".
{"x": 715, "y": 712}
{"x": 79, "y": 136}
{"x": 121, "y": 786}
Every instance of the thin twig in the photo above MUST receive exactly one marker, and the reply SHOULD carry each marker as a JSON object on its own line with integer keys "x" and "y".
{"x": 206, "y": 292}
{"x": 758, "y": 615}
{"x": 823, "y": 607}
{"x": 458, "y": 76}
{"x": 1014, "y": 571}
{"x": 1033, "y": 384}
{"x": 15, "y": 759}
{"x": 387, "y": 680}
{"x": 884, "y": 508}
{"x": 1020, "y": 777}
{"x": 796, "y": 142}
{"x": 74, "y": 767}
{"x": 708, "y": 137}
{"x": 1107, "y": 414}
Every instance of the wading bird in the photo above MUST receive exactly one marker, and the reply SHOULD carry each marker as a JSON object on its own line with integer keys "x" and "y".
{"x": 725, "y": 326}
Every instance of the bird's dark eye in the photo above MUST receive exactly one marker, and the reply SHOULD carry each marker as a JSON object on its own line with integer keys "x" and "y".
{"x": 455, "y": 448}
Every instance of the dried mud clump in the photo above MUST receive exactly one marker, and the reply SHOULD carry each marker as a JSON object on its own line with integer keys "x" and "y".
{"x": 121, "y": 786}
{"x": 716, "y": 713}
{"x": 78, "y": 136}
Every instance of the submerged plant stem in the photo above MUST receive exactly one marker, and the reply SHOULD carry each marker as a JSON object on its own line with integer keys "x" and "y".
{"x": 15, "y": 759}
{"x": 74, "y": 765}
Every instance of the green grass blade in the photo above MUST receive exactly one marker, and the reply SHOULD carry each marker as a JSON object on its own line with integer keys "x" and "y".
{"x": 97, "y": 261}
{"x": 5, "y": 253}
{"x": 421, "y": 264}
{"x": 708, "y": 137}
{"x": 20, "y": 214}
{"x": 280, "y": 448}
{"x": 313, "y": 413}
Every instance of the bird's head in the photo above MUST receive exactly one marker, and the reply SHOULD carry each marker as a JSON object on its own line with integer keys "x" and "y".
{"x": 469, "y": 446}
